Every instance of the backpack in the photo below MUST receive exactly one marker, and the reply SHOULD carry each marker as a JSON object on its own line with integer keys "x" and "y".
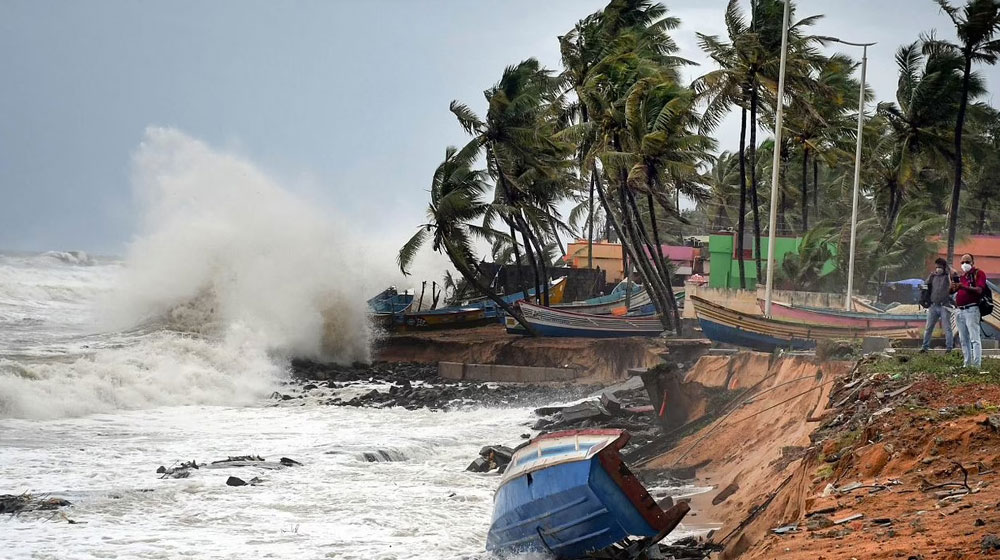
{"x": 986, "y": 303}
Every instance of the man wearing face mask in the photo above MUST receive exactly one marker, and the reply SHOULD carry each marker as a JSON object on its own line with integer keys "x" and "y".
{"x": 968, "y": 291}
{"x": 941, "y": 307}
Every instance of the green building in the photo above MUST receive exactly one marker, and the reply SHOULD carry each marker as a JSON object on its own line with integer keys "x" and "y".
{"x": 724, "y": 266}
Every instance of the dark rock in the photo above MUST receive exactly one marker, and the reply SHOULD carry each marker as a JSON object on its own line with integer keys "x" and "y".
{"x": 993, "y": 422}
{"x": 235, "y": 481}
{"x": 989, "y": 543}
{"x": 611, "y": 403}
{"x": 542, "y": 423}
{"x": 480, "y": 465}
{"x": 309, "y": 387}
{"x": 286, "y": 397}
{"x": 980, "y": 523}
{"x": 587, "y": 410}
{"x": 289, "y": 462}
{"x": 161, "y": 470}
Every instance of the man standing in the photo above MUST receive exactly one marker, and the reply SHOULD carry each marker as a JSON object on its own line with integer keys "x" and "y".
{"x": 939, "y": 297}
{"x": 968, "y": 291}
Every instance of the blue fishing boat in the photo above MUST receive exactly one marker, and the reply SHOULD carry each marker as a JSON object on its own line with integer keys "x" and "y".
{"x": 557, "y": 288}
{"x": 570, "y": 493}
{"x": 389, "y": 306}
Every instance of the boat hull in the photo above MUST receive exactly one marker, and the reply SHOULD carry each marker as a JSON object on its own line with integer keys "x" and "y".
{"x": 725, "y": 334}
{"x": 446, "y": 319}
{"x": 728, "y": 326}
{"x": 569, "y": 494}
{"x": 559, "y": 323}
{"x": 856, "y": 320}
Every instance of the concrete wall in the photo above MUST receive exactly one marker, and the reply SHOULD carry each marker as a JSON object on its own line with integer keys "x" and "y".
{"x": 745, "y": 301}
{"x": 517, "y": 374}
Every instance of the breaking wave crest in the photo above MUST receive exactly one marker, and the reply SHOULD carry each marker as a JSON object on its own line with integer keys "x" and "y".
{"x": 228, "y": 276}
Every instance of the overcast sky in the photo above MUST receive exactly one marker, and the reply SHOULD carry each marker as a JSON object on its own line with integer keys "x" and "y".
{"x": 346, "y": 103}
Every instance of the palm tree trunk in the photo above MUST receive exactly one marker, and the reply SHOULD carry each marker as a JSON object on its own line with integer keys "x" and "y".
{"x": 741, "y": 217}
{"x": 435, "y": 294}
{"x": 652, "y": 280}
{"x": 894, "y": 199}
{"x": 629, "y": 240}
{"x": 555, "y": 232}
{"x": 653, "y": 270}
{"x": 530, "y": 254}
{"x": 754, "y": 102}
{"x": 590, "y": 226}
{"x": 957, "y": 189}
{"x": 666, "y": 271}
{"x": 420, "y": 302}
{"x": 472, "y": 279}
{"x": 816, "y": 187}
{"x": 517, "y": 258}
{"x": 805, "y": 189}
{"x": 543, "y": 295}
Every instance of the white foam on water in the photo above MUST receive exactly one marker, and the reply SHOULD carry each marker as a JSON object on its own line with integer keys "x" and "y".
{"x": 335, "y": 506}
{"x": 228, "y": 276}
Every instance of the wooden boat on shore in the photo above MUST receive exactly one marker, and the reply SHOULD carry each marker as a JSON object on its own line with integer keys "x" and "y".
{"x": 557, "y": 289}
{"x": 548, "y": 321}
{"x": 855, "y": 319}
{"x": 472, "y": 314}
{"x": 570, "y": 493}
{"x": 447, "y": 318}
{"x": 389, "y": 306}
{"x": 611, "y": 304}
{"x": 728, "y": 326}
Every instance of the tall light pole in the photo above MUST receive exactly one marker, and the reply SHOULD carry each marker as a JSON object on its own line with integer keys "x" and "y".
{"x": 776, "y": 165}
{"x": 857, "y": 164}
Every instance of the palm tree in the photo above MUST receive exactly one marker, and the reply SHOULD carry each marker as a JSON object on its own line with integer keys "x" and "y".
{"x": 820, "y": 115}
{"x": 723, "y": 185}
{"x": 456, "y": 199}
{"x": 977, "y": 25}
{"x": 663, "y": 148}
{"x": 747, "y": 77}
{"x": 519, "y": 136}
{"x": 927, "y": 98}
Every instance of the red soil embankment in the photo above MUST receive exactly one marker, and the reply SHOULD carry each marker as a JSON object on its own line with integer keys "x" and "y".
{"x": 597, "y": 360}
{"x": 909, "y": 457}
{"x": 758, "y": 439}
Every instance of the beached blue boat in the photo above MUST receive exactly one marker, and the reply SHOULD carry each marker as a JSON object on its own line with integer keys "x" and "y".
{"x": 389, "y": 306}
{"x": 556, "y": 289}
{"x": 570, "y": 493}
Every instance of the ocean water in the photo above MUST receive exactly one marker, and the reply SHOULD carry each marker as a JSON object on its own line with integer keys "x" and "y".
{"x": 110, "y": 368}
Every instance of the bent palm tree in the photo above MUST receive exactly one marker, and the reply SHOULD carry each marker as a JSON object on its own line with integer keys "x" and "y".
{"x": 456, "y": 199}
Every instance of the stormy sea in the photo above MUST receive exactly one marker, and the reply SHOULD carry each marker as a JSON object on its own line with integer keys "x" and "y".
{"x": 171, "y": 353}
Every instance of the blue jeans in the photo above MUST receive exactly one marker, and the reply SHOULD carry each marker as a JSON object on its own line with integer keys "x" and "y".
{"x": 970, "y": 334}
{"x": 934, "y": 313}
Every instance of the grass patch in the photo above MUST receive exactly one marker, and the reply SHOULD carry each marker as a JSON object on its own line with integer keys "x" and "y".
{"x": 824, "y": 472}
{"x": 945, "y": 367}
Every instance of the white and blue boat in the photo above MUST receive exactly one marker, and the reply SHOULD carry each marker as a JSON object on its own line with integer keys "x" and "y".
{"x": 549, "y": 321}
{"x": 570, "y": 493}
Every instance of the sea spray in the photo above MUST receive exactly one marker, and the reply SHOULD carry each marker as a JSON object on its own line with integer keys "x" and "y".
{"x": 218, "y": 233}
{"x": 228, "y": 276}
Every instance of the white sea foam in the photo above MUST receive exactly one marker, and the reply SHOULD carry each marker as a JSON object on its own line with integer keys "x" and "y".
{"x": 228, "y": 276}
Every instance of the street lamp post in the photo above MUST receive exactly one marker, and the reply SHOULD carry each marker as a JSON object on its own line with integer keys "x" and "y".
{"x": 857, "y": 164}
{"x": 776, "y": 165}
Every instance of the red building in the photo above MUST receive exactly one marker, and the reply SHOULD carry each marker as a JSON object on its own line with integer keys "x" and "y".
{"x": 984, "y": 248}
